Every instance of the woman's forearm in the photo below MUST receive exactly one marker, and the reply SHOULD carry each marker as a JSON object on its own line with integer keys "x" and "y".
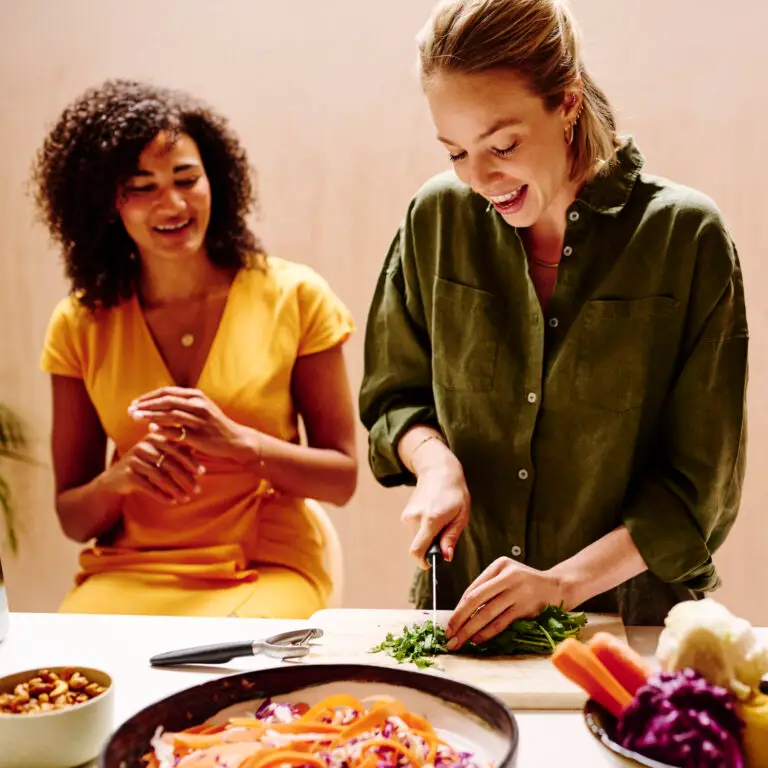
{"x": 323, "y": 474}
{"x": 89, "y": 510}
{"x": 601, "y": 566}
{"x": 422, "y": 448}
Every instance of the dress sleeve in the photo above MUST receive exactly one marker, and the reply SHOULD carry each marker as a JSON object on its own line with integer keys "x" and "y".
{"x": 63, "y": 351}
{"x": 325, "y": 319}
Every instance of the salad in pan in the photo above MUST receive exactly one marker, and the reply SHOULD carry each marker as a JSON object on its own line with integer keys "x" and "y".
{"x": 340, "y": 731}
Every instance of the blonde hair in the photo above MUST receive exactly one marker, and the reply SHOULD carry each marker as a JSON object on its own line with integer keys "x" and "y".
{"x": 539, "y": 40}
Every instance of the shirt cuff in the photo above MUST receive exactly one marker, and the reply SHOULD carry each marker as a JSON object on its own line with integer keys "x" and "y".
{"x": 384, "y": 437}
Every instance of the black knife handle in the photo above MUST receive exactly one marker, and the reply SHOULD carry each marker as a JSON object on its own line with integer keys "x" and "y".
{"x": 204, "y": 654}
{"x": 434, "y": 550}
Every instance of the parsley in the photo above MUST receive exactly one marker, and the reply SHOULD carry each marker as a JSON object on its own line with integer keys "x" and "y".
{"x": 419, "y": 644}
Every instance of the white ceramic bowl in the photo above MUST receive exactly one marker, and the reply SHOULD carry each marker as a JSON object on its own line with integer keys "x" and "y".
{"x": 61, "y": 738}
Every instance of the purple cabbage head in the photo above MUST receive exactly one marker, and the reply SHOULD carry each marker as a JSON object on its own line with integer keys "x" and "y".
{"x": 681, "y": 719}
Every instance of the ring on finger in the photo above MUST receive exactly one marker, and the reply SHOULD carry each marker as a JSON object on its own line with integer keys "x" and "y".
{"x": 477, "y": 610}
{"x": 160, "y": 460}
{"x": 183, "y": 434}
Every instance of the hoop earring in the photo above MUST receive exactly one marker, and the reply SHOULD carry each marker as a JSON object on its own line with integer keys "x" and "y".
{"x": 570, "y": 130}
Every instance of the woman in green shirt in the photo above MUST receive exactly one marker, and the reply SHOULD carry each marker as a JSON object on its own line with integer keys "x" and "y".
{"x": 556, "y": 352}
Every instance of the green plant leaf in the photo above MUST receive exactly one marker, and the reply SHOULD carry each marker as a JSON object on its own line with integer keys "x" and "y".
{"x": 13, "y": 445}
{"x": 8, "y": 516}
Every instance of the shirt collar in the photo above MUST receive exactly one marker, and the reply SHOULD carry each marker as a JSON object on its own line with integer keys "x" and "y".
{"x": 609, "y": 191}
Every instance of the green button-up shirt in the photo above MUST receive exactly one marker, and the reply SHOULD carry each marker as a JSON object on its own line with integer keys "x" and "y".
{"x": 624, "y": 403}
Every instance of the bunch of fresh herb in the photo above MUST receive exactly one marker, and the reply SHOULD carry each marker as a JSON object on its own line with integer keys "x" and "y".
{"x": 420, "y": 643}
{"x": 531, "y": 636}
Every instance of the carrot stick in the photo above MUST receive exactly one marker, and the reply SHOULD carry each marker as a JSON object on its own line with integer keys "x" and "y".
{"x": 625, "y": 664}
{"x": 581, "y": 666}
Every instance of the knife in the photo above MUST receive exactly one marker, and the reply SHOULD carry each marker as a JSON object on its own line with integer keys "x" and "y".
{"x": 433, "y": 553}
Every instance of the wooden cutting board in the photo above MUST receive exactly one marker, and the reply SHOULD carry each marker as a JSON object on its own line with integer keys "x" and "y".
{"x": 522, "y": 682}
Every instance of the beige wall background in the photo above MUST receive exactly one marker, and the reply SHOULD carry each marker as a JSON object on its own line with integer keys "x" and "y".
{"x": 325, "y": 98}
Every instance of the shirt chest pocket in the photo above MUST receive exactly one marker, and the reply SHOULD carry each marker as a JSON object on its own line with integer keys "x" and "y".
{"x": 465, "y": 336}
{"x": 616, "y": 350}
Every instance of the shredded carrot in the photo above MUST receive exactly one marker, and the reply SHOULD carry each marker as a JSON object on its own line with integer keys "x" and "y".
{"x": 329, "y": 704}
{"x": 623, "y": 662}
{"x": 396, "y": 746}
{"x": 339, "y": 728}
{"x": 283, "y": 757}
{"x": 432, "y": 742}
{"x": 577, "y": 662}
{"x": 375, "y": 718}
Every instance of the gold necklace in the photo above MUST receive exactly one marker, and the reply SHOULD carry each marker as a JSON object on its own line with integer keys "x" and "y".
{"x": 188, "y": 339}
{"x": 548, "y": 264}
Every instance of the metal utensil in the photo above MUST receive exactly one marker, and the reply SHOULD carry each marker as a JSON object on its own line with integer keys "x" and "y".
{"x": 433, "y": 553}
{"x": 286, "y": 645}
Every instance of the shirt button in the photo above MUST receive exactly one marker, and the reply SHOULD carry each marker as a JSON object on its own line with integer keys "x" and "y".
{"x": 553, "y": 322}
{"x": 531, "y": 397}
{"x": 516, "y": 551}
{"x": 567, "y": 251}
{"x": 523, "y": 474}
{"x": 573, "y": 215}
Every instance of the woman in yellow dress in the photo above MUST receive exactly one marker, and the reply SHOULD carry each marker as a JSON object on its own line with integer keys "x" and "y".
{"x": 196, "y": 354}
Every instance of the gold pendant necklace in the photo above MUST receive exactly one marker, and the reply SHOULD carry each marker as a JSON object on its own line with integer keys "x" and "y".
{"x": 547, "y": 264}
{"x": 187, "y": 340}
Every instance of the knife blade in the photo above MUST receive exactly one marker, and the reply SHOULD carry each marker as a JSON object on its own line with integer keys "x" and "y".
{"x": 433, "y": 553}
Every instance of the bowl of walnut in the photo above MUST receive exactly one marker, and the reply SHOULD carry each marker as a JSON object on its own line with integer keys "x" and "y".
{"x": 58, "y": 717}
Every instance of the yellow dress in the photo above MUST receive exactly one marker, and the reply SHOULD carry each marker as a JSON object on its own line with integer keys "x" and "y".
{"x": 238, "y": 548}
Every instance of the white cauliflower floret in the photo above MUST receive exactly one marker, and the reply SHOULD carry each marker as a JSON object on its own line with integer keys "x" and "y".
{"x": 704, "y": 635}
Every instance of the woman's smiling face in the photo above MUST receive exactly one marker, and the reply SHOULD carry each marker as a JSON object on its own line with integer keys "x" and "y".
{"x": 503, "y": 141}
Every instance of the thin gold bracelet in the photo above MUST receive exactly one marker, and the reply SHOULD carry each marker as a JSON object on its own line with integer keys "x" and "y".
{"x": 424, "y": 442}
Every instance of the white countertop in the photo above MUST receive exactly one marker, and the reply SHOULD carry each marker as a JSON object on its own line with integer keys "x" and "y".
{"x": 122, "y": 646}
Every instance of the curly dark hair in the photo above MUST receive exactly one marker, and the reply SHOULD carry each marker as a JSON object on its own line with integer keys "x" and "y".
{"x": 94, "y": 148}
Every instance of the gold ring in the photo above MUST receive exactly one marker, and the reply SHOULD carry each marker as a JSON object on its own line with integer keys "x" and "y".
{"x": 477, "y": 610}
{"x": 183, "y": 435}
{"x": 160, "y": 460}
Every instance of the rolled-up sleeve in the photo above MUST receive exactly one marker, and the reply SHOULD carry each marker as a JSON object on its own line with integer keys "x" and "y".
{"x": 684, "y": 506}
{"x": 396, "y": 391}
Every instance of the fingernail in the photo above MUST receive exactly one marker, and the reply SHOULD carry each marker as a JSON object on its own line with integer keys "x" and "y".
{"x": 198, "y": 489}
{"x": 452, "y": 644}
{"x": 449, "y": 554}
{"x": 186, "y": 499}
{"x": 201, "y": 470}
{"x": 153, "y": 427}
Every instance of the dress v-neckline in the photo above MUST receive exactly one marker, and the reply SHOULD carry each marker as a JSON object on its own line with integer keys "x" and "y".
{"x": 146, "y": 331}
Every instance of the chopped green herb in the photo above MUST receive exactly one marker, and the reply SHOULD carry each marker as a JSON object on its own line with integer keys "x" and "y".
{"x": 419, "y": 644}
{"x": 416, "y": 644}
